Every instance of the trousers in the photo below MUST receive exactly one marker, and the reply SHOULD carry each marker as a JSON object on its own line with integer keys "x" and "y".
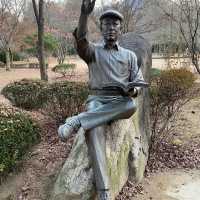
{"x": 101, "y": 110}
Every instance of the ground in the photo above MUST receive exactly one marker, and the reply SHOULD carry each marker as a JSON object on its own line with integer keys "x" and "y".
{"x": 34, "y": 179}
{"x": 178, "y": 184}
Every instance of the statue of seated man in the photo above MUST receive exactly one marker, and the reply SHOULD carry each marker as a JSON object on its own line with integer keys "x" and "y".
{"x": 111, "y": 69}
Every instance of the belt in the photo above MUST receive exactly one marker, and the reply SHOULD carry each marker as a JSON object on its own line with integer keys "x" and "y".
{"x": 107, "y": 92}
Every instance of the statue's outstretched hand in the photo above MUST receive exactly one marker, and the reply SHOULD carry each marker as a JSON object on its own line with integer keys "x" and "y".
{"x": 87, "y": 6}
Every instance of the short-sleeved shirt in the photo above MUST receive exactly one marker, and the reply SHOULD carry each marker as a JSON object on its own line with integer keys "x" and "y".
{"x": 107, "y": 66}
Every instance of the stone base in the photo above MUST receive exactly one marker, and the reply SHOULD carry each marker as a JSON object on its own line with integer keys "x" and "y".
{"x": 125, "y": 158}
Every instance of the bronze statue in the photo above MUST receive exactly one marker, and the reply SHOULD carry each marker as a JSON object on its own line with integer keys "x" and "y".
{"x": 114, "y": 78}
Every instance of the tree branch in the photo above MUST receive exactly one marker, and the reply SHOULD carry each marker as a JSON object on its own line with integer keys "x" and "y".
{"x": 36, "y": 11}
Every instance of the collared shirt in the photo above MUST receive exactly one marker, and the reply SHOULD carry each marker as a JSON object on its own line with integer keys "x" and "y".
{"x": 108, "y": 66}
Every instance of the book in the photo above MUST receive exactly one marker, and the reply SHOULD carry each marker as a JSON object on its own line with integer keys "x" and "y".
{"x": 125, "y": 88}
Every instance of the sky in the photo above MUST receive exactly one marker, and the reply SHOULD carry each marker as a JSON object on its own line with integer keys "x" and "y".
{"x": 98, "y": 2}
{"x": 105, "y": 2}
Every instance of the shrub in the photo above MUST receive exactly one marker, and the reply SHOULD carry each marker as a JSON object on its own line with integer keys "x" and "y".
{"x": 155, "y": 72}
{"x": 27, "y": 94}
{"x": 15, "y": 56}
{"x": 169, "y": 92}
{"x": 50, "y": 44}
{"x": 59, "y": 100}
{"x": 17, "y": 134}
{"x": 71, "y": 50}
{"x": 3, "y": 56}
{"x": 64, "y": 69}
{"x": 65, "y": 99}
{"x": 18, "y": 56}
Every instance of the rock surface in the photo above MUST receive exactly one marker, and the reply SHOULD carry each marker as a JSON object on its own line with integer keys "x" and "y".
{"x": 127, "y": 144}
{"x": 124, "y": 155}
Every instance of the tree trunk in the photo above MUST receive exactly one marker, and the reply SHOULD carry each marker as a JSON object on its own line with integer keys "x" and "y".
{"x": 195, "y": 62}
{"x": 41, "y": 56}
{"x": 7, "y": 60}
{"x": 11, "y": 57}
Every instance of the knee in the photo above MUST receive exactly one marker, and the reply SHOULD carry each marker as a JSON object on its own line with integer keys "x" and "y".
{"x": 92, "y": 105}
{"x": 131, "y": 107}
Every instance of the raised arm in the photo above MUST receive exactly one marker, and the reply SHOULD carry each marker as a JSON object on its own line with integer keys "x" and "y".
{"x": 86, "y": 9}
{"x": 84, "y": 48}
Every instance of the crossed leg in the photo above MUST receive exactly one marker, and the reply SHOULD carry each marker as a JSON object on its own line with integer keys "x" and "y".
{"x": 98, "y": 108}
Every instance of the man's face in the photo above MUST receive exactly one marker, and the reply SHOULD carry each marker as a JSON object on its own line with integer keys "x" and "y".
{"x": 111, "y": 29}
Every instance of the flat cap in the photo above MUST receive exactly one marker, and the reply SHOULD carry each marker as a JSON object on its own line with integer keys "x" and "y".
{"x": 111, "y": 13}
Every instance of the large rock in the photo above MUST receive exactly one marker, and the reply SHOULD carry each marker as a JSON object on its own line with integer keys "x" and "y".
{"x": 127, "y": 143}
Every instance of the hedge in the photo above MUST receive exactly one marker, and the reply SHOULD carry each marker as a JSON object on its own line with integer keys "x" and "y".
{"x": 18, "y": 132}
{"x": 64, "y": 69}
{"x": 59, "y": 99}
{"x": 26, "y": 93}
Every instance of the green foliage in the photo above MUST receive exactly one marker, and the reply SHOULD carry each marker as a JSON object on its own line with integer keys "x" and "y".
{"x": 169, "y": 92}
{"x": 26, "y": 93}
{"x": 64, "y": 69}
{"x": 155, "y": 72}
{"x": 17, "y": 134}
{"x": 71, "y": 50}
{"x": 15, "y": 56}
{"x": 59, "y": 100}
{"x": 50, "y": 44}
{"x": 3, "y": 56}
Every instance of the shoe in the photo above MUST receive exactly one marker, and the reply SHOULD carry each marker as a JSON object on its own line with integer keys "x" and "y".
{"x": 103, "y": 195}
{"x": 70, "y": 127}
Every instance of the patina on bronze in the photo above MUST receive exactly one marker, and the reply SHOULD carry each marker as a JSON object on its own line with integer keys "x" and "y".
{"x": 112, "y": 69}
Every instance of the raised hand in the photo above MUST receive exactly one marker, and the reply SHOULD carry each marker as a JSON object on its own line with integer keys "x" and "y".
{"x": 87, "y": 6}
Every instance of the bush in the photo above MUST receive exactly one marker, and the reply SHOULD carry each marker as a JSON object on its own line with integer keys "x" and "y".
{"x": 59, "y": 100}
{"x": 15, "y": 56}
{"x": 155, "y": 72}
{"x": 64, "y": 69}
{"x": 27, "y": 94}
{"x": 3, "y": 56}
{"x": 50, "y": 44}
{"x": 169, "y": 92}
{"x": 65, "y": 99}
{"x": 17, "y": 134}
{"x": 71, "y": 50}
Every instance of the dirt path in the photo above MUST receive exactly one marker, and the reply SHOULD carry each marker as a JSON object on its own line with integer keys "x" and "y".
{"x": 172, "y": 185}
{"x": 7, "y": 77}
{"x": 18, "y": 74}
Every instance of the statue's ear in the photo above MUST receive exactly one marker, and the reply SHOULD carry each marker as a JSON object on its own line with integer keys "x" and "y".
{"x": 121, "y": 27}
{"x": 100, "y": 26}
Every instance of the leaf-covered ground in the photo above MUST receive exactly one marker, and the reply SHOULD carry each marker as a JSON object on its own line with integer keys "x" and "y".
{"x": 42, "y": 164}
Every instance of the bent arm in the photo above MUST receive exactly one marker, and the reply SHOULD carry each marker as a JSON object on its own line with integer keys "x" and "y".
{"x": 136, "y": 75}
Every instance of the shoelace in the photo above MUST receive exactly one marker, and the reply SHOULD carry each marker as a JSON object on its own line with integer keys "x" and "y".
{"x": 103, "y": 196}
{"x": 73, "y": 122}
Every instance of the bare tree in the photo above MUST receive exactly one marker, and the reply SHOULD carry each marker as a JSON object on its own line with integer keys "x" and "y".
{"x": 62, "y": 49}
{"x": 39, "y": 15}
{"x": 10, "y": 13}
{"x": 186, "y": 17}
{"x": 138, "y": 15}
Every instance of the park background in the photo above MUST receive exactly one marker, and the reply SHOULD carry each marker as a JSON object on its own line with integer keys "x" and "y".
{"x": 171, "y": 27}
